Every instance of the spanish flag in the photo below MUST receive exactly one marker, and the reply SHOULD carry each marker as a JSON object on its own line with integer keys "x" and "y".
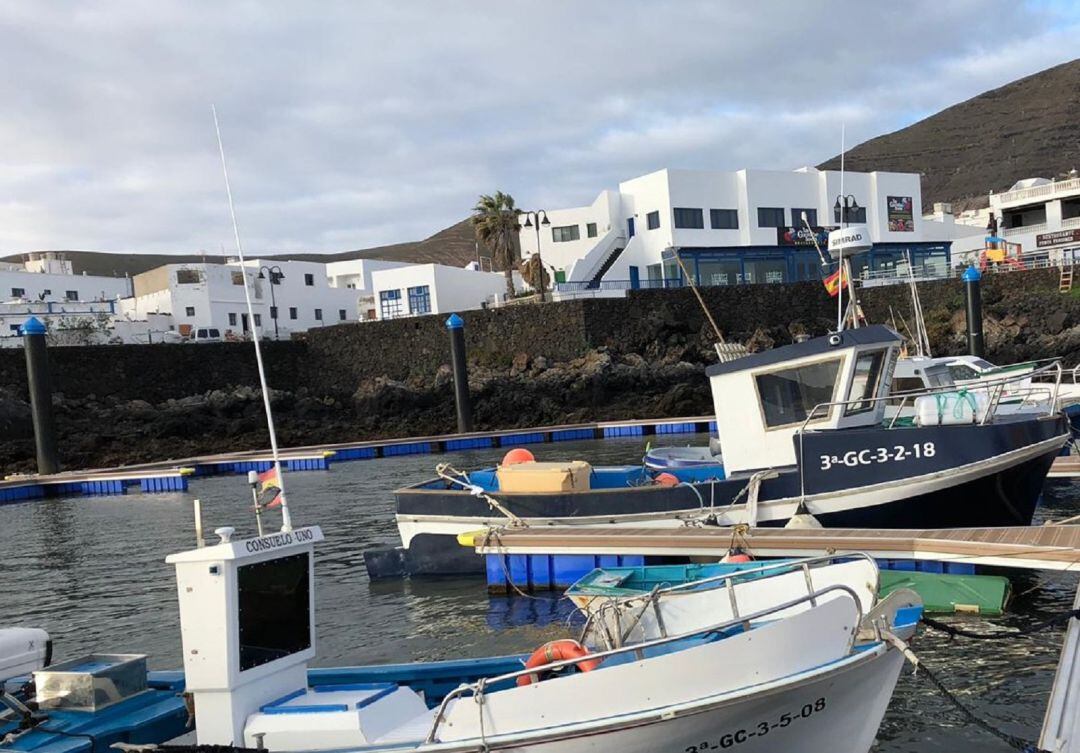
{"x": 270, "y": 489}
{"x": 835, "y": 281}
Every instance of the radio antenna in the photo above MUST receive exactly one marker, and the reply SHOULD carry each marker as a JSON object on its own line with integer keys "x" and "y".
{"x": 286, "y": 520}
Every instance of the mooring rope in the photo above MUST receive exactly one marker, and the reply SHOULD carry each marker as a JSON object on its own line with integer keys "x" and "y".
{"x": 1011, "y": 740}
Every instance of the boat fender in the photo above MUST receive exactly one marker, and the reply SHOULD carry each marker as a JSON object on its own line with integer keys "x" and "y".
{"x": 518, "y": 455}
{"x": 737, "y": 557}
{"x": 554, "y": 651}
{"x": 666, "y": 479}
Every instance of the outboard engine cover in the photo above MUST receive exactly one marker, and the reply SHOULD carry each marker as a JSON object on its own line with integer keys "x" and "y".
{"x": 22, "y": 651}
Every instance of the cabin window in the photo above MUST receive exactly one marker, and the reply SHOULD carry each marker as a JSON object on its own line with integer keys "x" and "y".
{"x": 961, "y": 373}
{"x": 904, "y": 384}
{"x": 864, "y": 384}
{"x": 274, "y": 609}
{"x": 788, "y": 396}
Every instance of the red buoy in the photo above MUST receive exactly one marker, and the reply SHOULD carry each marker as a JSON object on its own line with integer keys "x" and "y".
{"x": 518, "y": 455}
{"x": 666, "y": 479}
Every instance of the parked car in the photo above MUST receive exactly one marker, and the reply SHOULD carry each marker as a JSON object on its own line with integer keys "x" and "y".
{"x": 206, "y": 335}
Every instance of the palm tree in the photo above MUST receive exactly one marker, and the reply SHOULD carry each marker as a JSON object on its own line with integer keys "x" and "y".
{"x": 495, "y": 220}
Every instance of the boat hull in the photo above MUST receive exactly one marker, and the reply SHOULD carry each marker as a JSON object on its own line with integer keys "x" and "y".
{"x": 838, "y": 711}
{"x": 976, "y": 476}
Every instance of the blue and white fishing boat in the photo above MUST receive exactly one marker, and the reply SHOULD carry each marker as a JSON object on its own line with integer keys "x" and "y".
{"x": 802, "y": 428}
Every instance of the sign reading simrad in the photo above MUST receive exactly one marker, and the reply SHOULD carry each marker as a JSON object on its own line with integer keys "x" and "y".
{"x": 853, "y": 239}
{"x": 1056, "y": 238}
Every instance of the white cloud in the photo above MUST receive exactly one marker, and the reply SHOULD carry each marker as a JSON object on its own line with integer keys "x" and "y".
{"x": 357, "y": 124}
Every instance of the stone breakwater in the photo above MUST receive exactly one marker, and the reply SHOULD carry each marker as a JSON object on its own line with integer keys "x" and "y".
{"x": 643, "y": 356}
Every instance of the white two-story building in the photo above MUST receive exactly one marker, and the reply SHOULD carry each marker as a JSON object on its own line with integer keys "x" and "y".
{"x": 286, "y": 297}
{"x": 48, "y": 276}
{"x": 418, "y": 289}
{"x": 735, "y": 227}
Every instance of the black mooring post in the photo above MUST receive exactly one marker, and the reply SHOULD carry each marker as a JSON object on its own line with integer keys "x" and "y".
{"x": 461, "y": 374}
{"x": 37, "y": 376}
{"x": 973, "y": 295}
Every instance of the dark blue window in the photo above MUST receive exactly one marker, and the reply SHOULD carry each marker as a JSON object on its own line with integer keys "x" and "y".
{"x": 652, "y": 220}
{"x": 691, "y": 219}
{"x": 724, "y": 219}
{"x": 420, "y": 300}
{"x": 770, "y": 217}
{"x": 390, "y": 304}
{"x": 629, "y": 228}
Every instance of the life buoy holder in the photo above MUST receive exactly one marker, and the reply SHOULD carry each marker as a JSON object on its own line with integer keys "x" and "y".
{"x": 554, "y": 651}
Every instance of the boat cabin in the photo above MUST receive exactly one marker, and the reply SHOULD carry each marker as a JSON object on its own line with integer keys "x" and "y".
{"x": 764, "y": 400}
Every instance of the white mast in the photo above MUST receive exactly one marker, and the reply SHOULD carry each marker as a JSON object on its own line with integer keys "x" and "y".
{"x": 286, "y": 520}
{"x": 843, "y": 216}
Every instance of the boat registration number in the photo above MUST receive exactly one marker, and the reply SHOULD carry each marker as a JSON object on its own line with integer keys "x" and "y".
{"x": 760, "y": 729}
{"x": 872, "y": 456}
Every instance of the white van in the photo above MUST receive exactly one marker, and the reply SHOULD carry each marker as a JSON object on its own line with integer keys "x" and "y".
{"x": 206, "y": 335}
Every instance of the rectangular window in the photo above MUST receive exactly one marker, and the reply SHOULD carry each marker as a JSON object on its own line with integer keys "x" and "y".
{"x": 309, "y": 280}
{"x": 797, "y": 213}
{"x": 14, "y": 328}
{"x": 590, "y": 229}
{"x": 232, "y": 320}
{"x": 691, "y": 219}
{"x": 342, "y": 314}
{"x": 18, "y": 292}
{"x": 652, "y": 220}
{"x": 238, "y": 278}
{"x": 318, "y": 315}
{"x": 273, "y": 312}
{"x": 724, "y": 219}
{"x": 864, "y": 384}
{"x": 420, "y": 300}
{"x": 788, "y": 396}
{"x": 188, "y": 276}
{"x": 71, "y": 295}
{"x": 390, "y": 304}
{"x": 770, "y": 217}
{"x": 189, "y": 311}
{"x": 292, "y": 312}
{"x": 258, "y": 320}
{"x": 273, "y": 609}
{"x": 856, "y": 216}
{"x": 565, "y": 233}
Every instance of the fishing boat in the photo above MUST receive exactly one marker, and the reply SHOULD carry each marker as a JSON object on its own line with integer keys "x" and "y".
{"x": 802, "y": 429}
{"x": 613, "y": 587}
{"x": 248, "y": 628}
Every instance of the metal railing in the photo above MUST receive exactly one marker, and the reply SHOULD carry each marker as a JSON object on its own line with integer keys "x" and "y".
{"x": 1034, "y": 192}
{"x": 638, "y": 649}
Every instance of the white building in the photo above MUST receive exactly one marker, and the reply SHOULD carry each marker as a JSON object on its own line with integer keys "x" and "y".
{"x": 47, "y": 276}
{"x": 82, "y": 323}
{"x": 734, "y": 227}
{"x": 419, "y": 289}
{"x": 1040, "y": 216}
{"x": 355, "y": 274}
{"x": 286, "y": 296}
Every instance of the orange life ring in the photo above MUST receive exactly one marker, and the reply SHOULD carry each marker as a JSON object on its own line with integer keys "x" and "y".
{"x": 553, "y": 652}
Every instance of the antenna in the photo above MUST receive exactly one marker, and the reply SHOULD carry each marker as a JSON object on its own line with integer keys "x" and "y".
{"x": 843, "y": 216}
{"x": 286, "y": 520}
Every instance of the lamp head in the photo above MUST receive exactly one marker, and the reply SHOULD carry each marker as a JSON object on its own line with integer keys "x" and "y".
{"x": 546, "y": 221}
{"x": 528, "y": 221}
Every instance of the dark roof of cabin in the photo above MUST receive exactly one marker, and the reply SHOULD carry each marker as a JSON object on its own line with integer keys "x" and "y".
{"x": 875, "y": 333}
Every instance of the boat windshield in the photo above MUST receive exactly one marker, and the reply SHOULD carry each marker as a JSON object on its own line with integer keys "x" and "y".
{"x": 788, "y": 396}
{"x": 864, "y": 384}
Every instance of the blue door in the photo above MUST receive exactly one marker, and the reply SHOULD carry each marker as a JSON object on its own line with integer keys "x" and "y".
{"x": 635, "y": 278}
{"x": 629, "y": 228}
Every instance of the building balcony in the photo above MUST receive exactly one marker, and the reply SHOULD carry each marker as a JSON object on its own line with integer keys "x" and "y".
{"x": 1047, "y": 192}
{"x": 1040, "y": 228}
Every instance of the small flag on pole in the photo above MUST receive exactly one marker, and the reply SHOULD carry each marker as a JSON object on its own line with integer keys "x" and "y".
{"x": 835, "y": 281}
{"x": 270, "y": 488}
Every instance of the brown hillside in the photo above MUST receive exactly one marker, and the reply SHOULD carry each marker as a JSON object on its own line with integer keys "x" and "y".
{"x": 1029, "y": 128}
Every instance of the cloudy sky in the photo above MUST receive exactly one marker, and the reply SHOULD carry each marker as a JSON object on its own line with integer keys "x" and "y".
{"x": 355, "y": 124}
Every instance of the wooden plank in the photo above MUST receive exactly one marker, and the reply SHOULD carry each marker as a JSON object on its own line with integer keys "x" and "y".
{"x": 1051, "y": 547}
{"x": 1065, "y": 466}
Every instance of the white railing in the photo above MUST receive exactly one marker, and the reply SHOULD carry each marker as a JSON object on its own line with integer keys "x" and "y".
{"x": 1035, "y": 192}
{"x": 1041, "y": 227}
{"x": 1070, "y": 223}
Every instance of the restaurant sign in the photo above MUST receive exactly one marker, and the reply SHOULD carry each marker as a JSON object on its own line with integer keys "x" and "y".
{"x": 1058, "y": 237}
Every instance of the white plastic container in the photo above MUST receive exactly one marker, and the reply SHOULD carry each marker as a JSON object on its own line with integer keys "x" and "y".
{"x": 951, "y": 408}
{"x": 22, "y": 651}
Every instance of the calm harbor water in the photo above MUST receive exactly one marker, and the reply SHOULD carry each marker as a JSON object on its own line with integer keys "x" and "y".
{"x": 91, "y": 571}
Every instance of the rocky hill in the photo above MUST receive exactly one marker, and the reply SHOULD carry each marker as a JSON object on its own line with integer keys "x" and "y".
{"x": 455, "y": 246}
{"x": 1025, "y": 129}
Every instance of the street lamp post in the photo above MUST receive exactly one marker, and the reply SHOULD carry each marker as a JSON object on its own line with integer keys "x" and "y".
{"x": 275, "y": 275}
{"x": 536, "y": 218}
{"x": 845, "y": 205}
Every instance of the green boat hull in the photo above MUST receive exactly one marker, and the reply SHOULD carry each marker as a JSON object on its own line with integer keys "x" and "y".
{"x": 944, "y": 593}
